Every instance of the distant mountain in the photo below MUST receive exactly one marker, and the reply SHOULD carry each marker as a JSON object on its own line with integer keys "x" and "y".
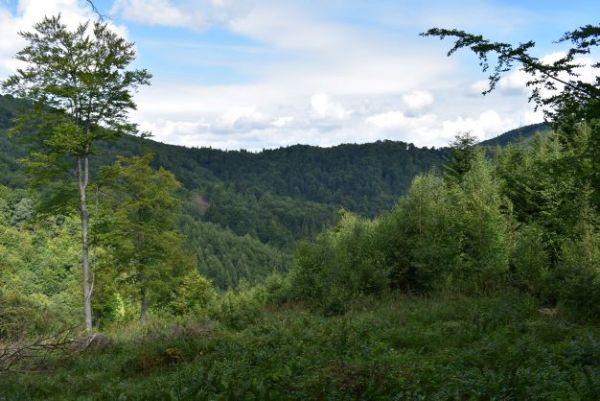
{"x": 517, "y": 134}
{"x": 277, "y": 195}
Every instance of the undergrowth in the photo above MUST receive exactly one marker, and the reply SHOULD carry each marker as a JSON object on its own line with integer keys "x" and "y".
{"x": 439, "y": 348}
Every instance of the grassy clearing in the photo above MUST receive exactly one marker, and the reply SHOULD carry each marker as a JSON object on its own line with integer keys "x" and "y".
{"x": 494, "y": 348}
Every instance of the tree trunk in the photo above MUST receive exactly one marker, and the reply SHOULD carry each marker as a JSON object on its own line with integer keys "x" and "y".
{"x": 83, "y": 178}
{"x": 143, "y": 305}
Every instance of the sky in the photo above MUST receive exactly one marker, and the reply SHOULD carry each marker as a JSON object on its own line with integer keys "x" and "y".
{"x": 256, "y": 74}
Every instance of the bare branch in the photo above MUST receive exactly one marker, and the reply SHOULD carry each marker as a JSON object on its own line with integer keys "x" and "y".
{"x": 95, "y": 9}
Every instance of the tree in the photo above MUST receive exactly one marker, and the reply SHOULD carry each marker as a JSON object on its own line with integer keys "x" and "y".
{"x": 141, "y": 226}
{"x": 568, "y": 97}
{"x": 461, "y": 157}
{"x": 554, "y": 184}
{"x": 81, "y": 92}
{"x": 570, "y": 102}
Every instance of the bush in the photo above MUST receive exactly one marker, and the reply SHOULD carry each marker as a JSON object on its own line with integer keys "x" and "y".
{"x": 577, "y": 279}
{"x": 449, "y": 235}
{"x": 343, "y": 263}
{"x": 239, "y": 308}
{"x": 195, "y": 294}
{"x": 530, "y": 262}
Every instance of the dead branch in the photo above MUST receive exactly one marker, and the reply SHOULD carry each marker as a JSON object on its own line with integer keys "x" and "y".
{"x": 39, "y": 350}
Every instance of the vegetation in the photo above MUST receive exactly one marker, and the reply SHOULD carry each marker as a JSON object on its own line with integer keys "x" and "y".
{"x": 138, "y": 225}
{"x": 399, "y": 349}
{"x": 481, "y": 282}
{"x": 80, "y": 93}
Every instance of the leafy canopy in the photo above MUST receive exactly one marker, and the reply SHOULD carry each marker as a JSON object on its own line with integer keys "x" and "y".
{"x": 80, "y": 89}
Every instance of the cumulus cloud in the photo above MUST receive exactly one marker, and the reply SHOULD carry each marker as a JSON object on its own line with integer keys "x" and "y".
{"x": 417, "y": 100}
{"x": 515, "y": 83}
{"x": 30, "y": 12}
{"x": 323, "y": 81}
{"x": 325, "y": 107}
{"x": 487, "y": 125}
{"x": 431, "y": 129}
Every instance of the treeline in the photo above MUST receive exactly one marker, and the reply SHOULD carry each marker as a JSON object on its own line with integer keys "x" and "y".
{"x": 366, "y": 178}
{"x": 40, "y": 276}
{"x": 277, "y": 196}
{"x": 229, "y": 260}
{"x": 527, "y": 219}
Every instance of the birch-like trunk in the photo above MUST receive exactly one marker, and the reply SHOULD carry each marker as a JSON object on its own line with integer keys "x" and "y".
{"x": 83, "y": 179}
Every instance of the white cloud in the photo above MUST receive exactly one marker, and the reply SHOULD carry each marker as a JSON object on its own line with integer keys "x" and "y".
{"x": 30, "y": 12}
{"x": 199, "y": 14}
{"x": 152, "y": 12}
{"x": 323, "y": 81}
{"x": 282, "y": 121}
{"x": 514, "y": 83}
{"x": 478, "y": 87}
{"x": 487, "y": 125}
{"x": 391, "y": 119}
{"x": 531, "y": 117}
{"x": 235, "y": 115}
{"x": 417, "y": 100}
{"x": 325, "y": 107}
{"x": 430, "y": 129}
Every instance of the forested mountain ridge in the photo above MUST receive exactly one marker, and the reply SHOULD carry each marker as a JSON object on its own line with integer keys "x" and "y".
{"x": 363, "y": 178}
{"x": 515, "y": 135}
{"x": 277, "y": 195}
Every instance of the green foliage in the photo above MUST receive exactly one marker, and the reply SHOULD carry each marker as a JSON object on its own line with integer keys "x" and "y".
{"x": 240, "y": 308}
{"x": 228, "y": 259}
{"x": 461, "y": 157}
{"x": 531, "y": 263}
{"x": 398, "y": 349}
{"x": 139, "y": 226}
{"x": 453, "y": 236}
{"x": 195, "y": 294}
{"x": 518, "y": 234}
{"x": 577, "y": 277}
{"x": 38, "y": 279}
{"x": 339, "y": 266}
{"x": 442, "y": 236}
{"x": 426, "y": 242}
{"x": 78, "y": 91}
{"x": 277, "y": 196}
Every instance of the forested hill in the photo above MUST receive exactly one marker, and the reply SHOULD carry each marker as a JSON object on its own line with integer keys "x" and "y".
{"x": 366, "y": 178}
{"x": 517, "y": 134}
{"x": 278, "y": 195}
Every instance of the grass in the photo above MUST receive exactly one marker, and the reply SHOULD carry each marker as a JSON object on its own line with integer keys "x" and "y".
{"x": 493, "y": 348}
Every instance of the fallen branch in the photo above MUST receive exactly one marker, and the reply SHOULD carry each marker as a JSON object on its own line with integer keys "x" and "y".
{"x": 40, "y": 349}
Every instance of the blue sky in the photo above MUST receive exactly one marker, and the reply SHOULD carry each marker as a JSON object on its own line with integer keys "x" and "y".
{"x": 259, "y": 74}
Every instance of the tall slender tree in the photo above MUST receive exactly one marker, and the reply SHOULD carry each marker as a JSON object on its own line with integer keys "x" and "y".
{"x": 80, "y": 87}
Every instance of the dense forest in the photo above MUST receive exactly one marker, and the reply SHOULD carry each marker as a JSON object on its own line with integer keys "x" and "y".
{"x": 131, "y": 269}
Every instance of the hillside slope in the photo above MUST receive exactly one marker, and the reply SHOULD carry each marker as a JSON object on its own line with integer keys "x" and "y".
{"x": 278, "y": 195}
